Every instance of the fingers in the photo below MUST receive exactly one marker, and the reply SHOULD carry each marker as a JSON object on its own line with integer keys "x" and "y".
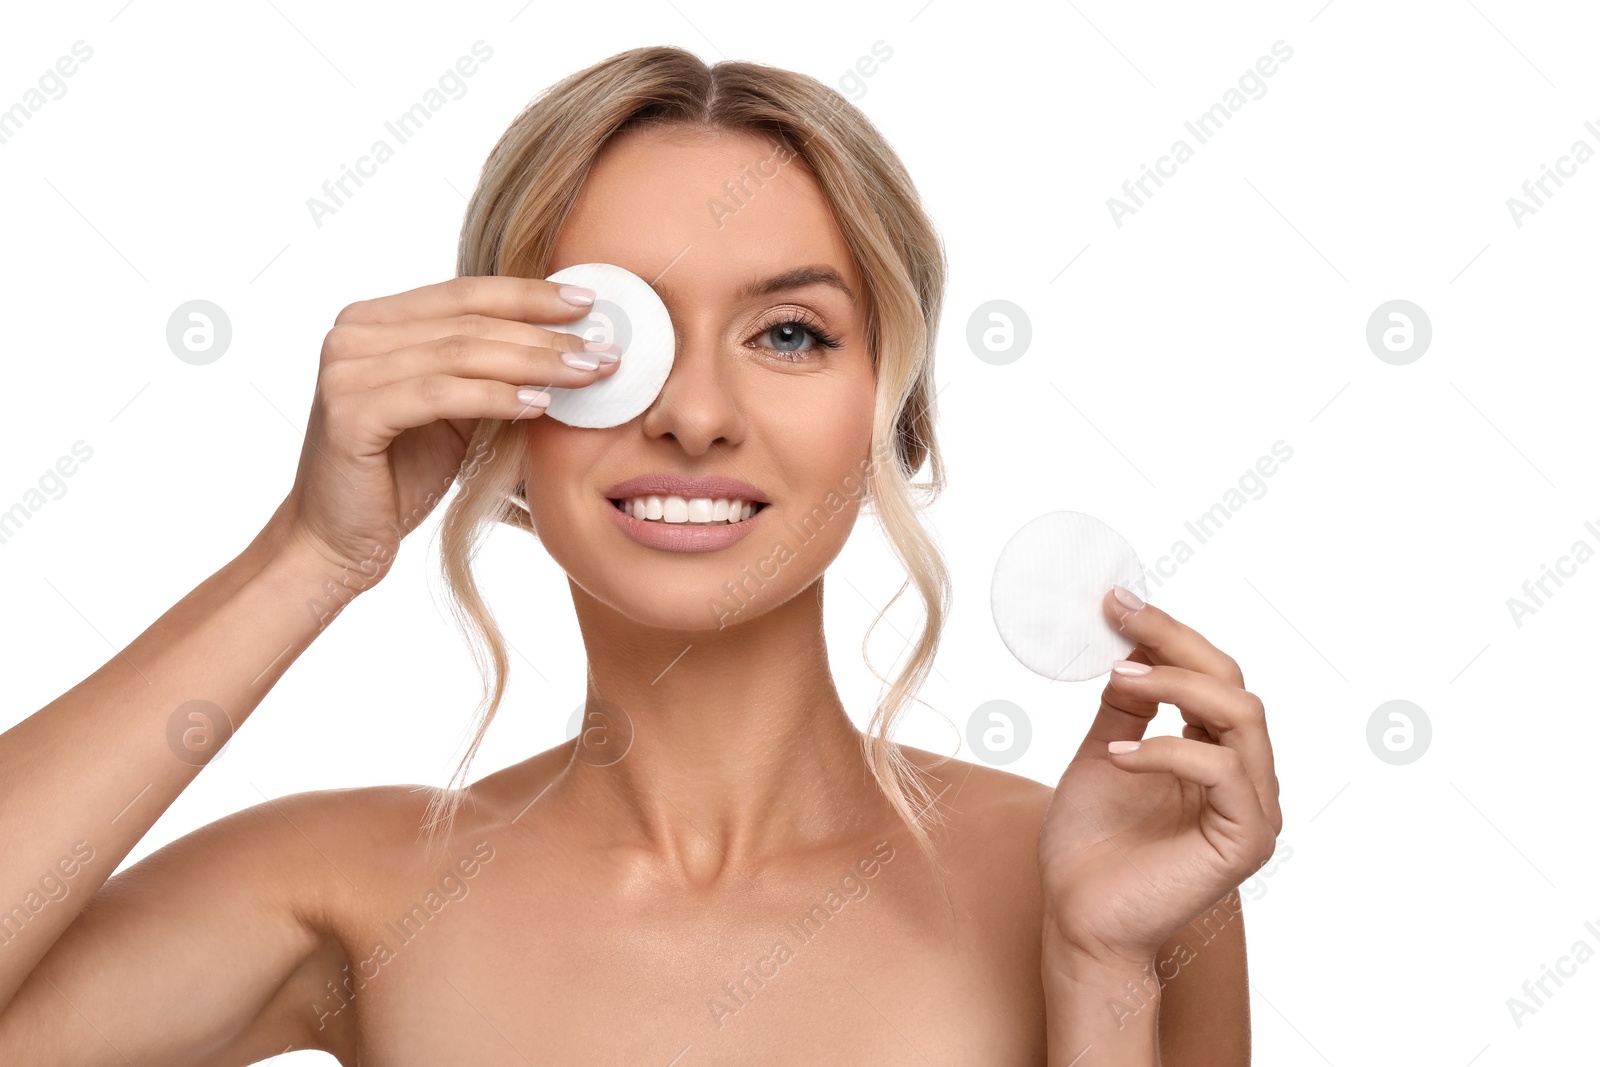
{"x": 1207, "y": 687}
{"x": 1124, "y": 713}
{"x": 416, "y": 402}
{"x": 518, "y": 299}
{"x": 1248, "y": 835}
{"x": 1170, "y": 641}
{"x": 436, "y": 336}
{"x": 470, "y": 357}
{"x": 359, "y": 340}
{"x": 1214, "y": 711}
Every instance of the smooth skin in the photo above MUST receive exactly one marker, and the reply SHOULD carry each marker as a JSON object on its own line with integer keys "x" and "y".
{"x": 596, "y": 909}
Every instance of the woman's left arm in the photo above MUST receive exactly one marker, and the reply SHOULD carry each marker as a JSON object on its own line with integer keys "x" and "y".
{"x": 1205, "y": 991}
{"x": 1141, "y": 855}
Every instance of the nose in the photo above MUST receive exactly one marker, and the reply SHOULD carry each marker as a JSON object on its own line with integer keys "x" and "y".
{"x": 697, "y": 405}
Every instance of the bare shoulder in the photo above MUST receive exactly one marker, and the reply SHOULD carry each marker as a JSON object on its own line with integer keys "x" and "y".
{"x": 991, "y": 817}
{"x": 996, "y": 799}
{"x": 271, "y": 889}
{"x": 381, "y": 824}
{"x": 383, "y": 830}
{"x": 364, "y": 825}
{"x": 502, "y": 795}
{"x": 310, "y": 843}
{"x": 989, "y": 845}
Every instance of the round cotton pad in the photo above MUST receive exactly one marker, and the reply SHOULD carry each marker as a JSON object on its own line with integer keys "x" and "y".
{"x": 1049, "y": 583}
{"x": 629, "y": 314}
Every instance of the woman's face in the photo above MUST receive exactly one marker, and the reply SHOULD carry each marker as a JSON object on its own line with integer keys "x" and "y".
{"x": 705, "y": 217}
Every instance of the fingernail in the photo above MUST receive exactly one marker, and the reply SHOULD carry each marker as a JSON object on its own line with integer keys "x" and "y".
{"x": 536, "y": 398}
{"x": 1127, "y": 598}
{"x": 577, "y": 294}
{"x": 604, "y": 351}
{"x": 1118, "y": 748}
{"x": 572, "y": 359}
{"x": 1128, "y": 666}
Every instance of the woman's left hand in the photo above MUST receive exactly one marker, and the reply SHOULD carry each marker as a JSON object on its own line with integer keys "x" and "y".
{"x": 1136, "y": 845}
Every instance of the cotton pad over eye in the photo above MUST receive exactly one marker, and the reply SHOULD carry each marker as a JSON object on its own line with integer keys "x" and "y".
{"x": 628, "y": 313}
{"x": 1049, "y": 584}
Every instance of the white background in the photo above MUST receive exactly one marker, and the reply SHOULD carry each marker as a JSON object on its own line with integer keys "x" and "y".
{"x": 1227, "y": 313}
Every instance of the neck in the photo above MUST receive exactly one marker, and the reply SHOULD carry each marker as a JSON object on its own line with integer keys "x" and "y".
{"x": 713, "y": 749}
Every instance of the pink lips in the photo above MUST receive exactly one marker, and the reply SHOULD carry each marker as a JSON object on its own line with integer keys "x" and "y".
{"x": 682, "y": 536}
{"x": 666, "y": 483}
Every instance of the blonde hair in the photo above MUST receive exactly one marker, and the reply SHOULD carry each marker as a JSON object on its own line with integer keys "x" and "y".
{"x": 529, "y": 184}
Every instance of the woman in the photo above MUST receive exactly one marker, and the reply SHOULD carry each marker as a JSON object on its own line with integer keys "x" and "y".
{"x": 721, "y": 868}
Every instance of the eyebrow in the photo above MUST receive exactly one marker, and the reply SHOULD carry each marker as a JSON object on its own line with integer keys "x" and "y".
{"x": 814, "y": 274}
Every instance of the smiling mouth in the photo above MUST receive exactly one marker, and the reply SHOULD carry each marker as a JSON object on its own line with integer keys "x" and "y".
{"x": 689, "y": 511}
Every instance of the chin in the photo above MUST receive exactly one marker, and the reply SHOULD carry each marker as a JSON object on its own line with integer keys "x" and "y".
{"x": 697, "y": 596}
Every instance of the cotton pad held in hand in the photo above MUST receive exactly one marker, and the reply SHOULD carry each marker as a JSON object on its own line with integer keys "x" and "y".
{"x": 1049, "y": 584}
{"x": 629, "y": 314}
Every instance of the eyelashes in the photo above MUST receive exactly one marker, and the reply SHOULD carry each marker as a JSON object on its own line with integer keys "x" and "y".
{"x": 806, "y": 324}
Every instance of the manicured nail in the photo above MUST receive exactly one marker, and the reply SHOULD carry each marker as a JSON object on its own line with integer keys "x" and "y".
{"x": 535, "y": 398}
{"x": 1128, "y": 666}
{"x": 604, "y": 351}
{"x": 1127, "y": 598}
{"x": 577, "y": 294}
{"x": 572, "y": 359}
{"x": 1118, "y": 748}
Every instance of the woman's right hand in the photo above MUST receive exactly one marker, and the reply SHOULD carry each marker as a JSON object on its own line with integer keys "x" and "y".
{"x": 402, "y": 383}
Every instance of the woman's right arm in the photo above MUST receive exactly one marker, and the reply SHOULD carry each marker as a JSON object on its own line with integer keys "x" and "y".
{"x": 84, "y": 778}
{"x": 177, "y": 957}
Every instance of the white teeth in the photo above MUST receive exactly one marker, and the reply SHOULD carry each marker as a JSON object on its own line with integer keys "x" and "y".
{"x": 698, "y": 510}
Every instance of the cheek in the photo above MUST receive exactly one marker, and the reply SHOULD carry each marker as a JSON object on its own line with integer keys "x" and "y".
{"x": 829, "y": 440}
{"x": 837, "y": 429}
{"x": 559, "y": 461}
{"x": 559, "y": 452}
